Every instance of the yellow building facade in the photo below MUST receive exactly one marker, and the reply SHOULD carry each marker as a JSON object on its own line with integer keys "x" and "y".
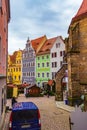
{"x": 14, "y": 74}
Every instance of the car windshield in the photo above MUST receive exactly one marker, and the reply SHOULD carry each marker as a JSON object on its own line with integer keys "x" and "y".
{"x": 24, "y": 115}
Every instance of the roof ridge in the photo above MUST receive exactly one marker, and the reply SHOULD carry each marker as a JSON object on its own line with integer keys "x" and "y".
{"x": 38, "y": 38}
{"x": 83, "y": 8}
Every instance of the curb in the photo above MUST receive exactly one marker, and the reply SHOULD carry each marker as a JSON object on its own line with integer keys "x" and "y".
{"x": 61, "y": 105}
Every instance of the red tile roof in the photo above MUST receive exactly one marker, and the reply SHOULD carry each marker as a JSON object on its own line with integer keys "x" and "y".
{"x": 47, "y": 45}
{"x": 13, "y": 57}
{"x": 36, "y": 42}
{"x": 82, "y": 11}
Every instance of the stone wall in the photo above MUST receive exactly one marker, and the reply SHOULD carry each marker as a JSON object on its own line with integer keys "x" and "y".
{"x": 59, "y": 76}
{"x": 77, "y": 58}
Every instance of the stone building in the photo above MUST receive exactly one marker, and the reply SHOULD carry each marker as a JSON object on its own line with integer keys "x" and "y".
{"x": 76, "y": 55}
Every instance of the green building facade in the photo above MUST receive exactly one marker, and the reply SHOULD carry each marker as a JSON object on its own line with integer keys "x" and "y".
{"x": 42, "y": 69}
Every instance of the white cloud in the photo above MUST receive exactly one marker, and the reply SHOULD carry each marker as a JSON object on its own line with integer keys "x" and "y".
{"x": 15, "y": 44}
{"x": 36, "y": 18}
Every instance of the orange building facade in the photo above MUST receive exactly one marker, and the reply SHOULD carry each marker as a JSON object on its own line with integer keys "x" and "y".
{"x": 4, "y": 20}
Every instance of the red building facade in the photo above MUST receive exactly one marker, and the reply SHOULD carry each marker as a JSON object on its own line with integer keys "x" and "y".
{"x": 4, "y": 20}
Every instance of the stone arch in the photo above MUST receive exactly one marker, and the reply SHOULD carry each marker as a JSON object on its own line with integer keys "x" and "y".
{"x": 59, "y": 88}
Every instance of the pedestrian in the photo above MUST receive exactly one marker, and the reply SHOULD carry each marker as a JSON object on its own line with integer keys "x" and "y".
{"x": 48, "y": 93}
{"x": 13, "y": 100}
{"x": 82, "y": 102}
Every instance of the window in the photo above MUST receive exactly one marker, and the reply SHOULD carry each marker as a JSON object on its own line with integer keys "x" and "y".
{"x": 39, "y": 84}
{"x": 31, "y": 54}
{"x": 61, "y": 63}
{"x": 33, "y": 74}
{"x": 38, "y": 74}
{"x": 53, "y": 75}
{"x": 19, "y": 77}
{"x": 16, "y": 69}
{"x": 42, "y": 64}
{"x": 29, "y": 64}
{"x": 54, "y": 64}
{"x": 57, "y": 45}
{"x": 19, "y": 69}
{"x": 47, "y": 57}
{"x": 24, "y": 74}
{"x": 38, "y": 58}
{"x": 47, "y": 74}
{"x": 42, "y": 74}
{"x": 54, "y": 54}
{"x": 4, "y": 21}
{"x": 25, "y": 55}
{"x": 63, "y": 53}
{"x": 29, "y": 73}
{"x": 42, "y": 57}
{"x": 60, "y": 53}
{"x": 32, "y": 63}
{"x": 38, "y": 65}
{"x": 47, "y": 64}
{"x": 14, "y": 77}
{"x": 24, "y": 115}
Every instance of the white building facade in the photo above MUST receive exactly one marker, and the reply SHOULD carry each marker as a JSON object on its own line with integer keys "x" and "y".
{"x": 56, "y": 56}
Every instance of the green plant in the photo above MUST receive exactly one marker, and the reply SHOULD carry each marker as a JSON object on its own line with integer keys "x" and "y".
{"x": 72, "y": 101}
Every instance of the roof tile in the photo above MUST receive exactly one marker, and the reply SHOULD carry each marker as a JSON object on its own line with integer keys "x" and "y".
{"x": 82, "y": 10}
{"x": 36, "y": 42}
{"x": 47, "y": 45}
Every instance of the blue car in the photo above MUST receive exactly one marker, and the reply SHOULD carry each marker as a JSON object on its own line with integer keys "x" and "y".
{"x": 25, "y": 116}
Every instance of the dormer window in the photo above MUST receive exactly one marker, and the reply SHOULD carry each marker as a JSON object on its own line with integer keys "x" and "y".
{"x": 48, "y": 43}
{"x": 37, "y": 43}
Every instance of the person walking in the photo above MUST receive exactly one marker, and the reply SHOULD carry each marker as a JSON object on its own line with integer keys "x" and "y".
{"x": 13, "y": 100}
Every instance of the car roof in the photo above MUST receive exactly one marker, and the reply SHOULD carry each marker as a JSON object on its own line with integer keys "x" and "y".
{"x": 23, "y": 106}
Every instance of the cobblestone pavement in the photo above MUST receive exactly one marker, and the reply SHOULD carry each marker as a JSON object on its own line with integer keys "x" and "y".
{"x": 52, "y": 118}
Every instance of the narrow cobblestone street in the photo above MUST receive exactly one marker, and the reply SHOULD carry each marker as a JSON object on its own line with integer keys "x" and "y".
{"x": 52, "y": 118}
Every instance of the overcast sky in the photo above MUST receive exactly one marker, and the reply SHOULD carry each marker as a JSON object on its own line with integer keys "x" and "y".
{"x": 35, "y": 18}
